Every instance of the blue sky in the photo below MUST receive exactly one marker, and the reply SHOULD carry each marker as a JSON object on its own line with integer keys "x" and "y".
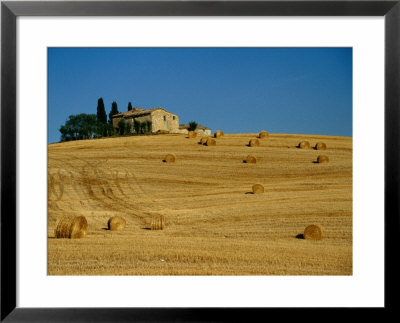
{"x": 237, "y": 90}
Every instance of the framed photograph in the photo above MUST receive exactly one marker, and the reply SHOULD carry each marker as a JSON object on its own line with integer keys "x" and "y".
{"x": 197, "y": 160}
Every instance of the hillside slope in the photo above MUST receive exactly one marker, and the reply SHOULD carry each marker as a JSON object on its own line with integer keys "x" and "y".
{"x": 214, "y": 225}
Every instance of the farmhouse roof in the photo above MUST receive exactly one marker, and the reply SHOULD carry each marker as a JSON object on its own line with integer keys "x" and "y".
{"x": 199, "y": 126}
{"x": 137, "y": 112}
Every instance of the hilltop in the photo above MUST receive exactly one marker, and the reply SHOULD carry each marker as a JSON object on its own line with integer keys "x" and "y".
{"x": 214, "y": 225}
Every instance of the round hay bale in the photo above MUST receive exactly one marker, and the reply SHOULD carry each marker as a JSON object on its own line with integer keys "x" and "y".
{"x": 203, "y": 141}
{"x": 263, "y": 134}
{"x": 322, "y": 159}
{"x": 192, "y": 134}
{"x": 157, "y": 222}
{"x": 251, "y": 159}
{"x": 254, "y": 143}
{"x": 116, "y": 223}
{"x": 320, "y": 146}
{"x": 71, "y": 227}
{"x": 304, "y": 145}
{"x": 218, "y": 134}
{"x": 169, "y": 158}
{"x": 258, "y": 189}
{"x": 313, "y": 232}
{"x": 211, "y": 142}
{"x": 162, "y": 132}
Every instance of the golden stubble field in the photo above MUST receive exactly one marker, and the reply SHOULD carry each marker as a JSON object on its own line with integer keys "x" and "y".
{"x": 214, "y": 224}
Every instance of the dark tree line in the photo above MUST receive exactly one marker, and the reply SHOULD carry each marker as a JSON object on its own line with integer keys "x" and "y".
{"x": 124, "y": 127}
{"x": 87, "y": 126}
{"x": 142, "y": 127}
{"x": 81, "y": 126}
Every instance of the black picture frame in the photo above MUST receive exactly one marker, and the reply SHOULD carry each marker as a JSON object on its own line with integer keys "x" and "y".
{"x": 10, "y": 10}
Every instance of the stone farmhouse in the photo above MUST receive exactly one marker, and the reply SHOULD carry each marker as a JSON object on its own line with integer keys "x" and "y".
{"x": 161, "y": 119}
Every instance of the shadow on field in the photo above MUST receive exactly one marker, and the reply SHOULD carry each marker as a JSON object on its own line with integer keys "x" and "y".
{"x": 300, "y": 236}
{"x": 106, "y": 229}
{"x": 146, "y": 228}
{"x": 249, "y": 193}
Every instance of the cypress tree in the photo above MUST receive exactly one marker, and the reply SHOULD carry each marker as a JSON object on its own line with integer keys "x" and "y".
{"x": 136, "y": 126}
{"x": 129, "y": 106}
{"x": 101, "y": 111}
{"x": 122, "y": 126}
{"x": 114, "y": 110}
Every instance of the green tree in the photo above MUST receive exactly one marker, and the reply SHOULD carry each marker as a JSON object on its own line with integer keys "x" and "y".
{"x": 128, "y": 128}
{"x": 192, "y": 126}
{"x": 148, "y": 126}
{"x": 110, "y": 129}
{"x": 122, "y": 126}
{"x": 136, "y": 126}
{"x": 114, "y": 110}
{"x": 129, "y": 106}
{"x": 81, "y": 126}
{"x": 142, "y": 127}
{"x": 104, "y": 130}
{"x": 101, "y": 111}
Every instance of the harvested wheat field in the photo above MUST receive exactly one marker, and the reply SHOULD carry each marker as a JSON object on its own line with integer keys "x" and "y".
{"x": 211, "y": 222}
